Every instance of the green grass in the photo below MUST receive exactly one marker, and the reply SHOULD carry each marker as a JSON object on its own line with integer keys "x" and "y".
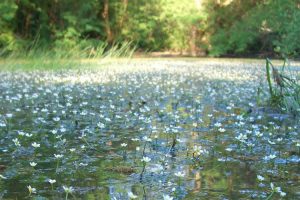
{"x": 285, "y": 88}
{"x": 38, "y": 58}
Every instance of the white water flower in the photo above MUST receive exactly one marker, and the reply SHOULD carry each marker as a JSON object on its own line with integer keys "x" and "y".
{"x": 21, "y": 133}
{"x": 9, "y": 115}
{"x": 282, "y": 194}
{"x": 222, "y": 130}
{"x": 123, "y": 145}
{"x": 2, "y": 177}
{"x": 35, "y": 145}
{"x": 33, "y": 164}
{"x": 218, "y": 124}
{"x": 56, "y": 119}
{"x": 270, "y": 142}
{"x": 58, "y": 156}
{"x": 260, "y": 178}
{"x": 229, "y": 149}
{"x": 179, "y": 174}
{"x": 51, "y": 181}
{"x": 31, "y": 189}
{"x": 167, "y": 197}
{"x": 198, "y": 150}
{"x": 68, "y": 189}
{"x": 272, "y": 186}
{"x": 100, "y": 125}
{"x": 16, "y": 141}
{"x": 131, "y": 195}
{"x": 146, "y": 159}
{"x": 28, "y": 135}
{"x": 147, "y": 139}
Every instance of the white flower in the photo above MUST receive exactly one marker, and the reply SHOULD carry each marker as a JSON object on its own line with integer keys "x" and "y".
{"x": 167, "y": 197}
{"x": 56, "y": 119}
{"x": 35, "y": 145}
{"x": 270, "y": 142}
{"x": 228, "y": 149}
{"x": 51, "y": 181}
{"x": 131, "y": 195}
{"x": 68, "y": 189}
{"x": 218, "y": 124}
{"x": 21, "y": 133}
{"x": 9, "y": 115}
{"x": 279, "y": 139}
{"x": 16, "y": 141}
{"x": 146, "y": 159}
{"x": 198, "y": 150}
{"x": 33, "y": 164}
{"x": 28, "y": 135}
{"x": 31, "y": 189}
{"x": 272, "y": 186}
{"x": 123, "y": 145}
{"x": 278, "y": 189}
{"x": 100, "y": 125}
{"x": 145, "y": 138}
{"x": 179, "y": 174}
{"x": 2, "y": 177}
{"x": 58, "y": 156}
{"x": 222, "y": 130}
{"x": 282, "y": 194}
{"x": 72, "y": 149}
{"x": 83, "y": 164}
{"x": 260, "y": 178}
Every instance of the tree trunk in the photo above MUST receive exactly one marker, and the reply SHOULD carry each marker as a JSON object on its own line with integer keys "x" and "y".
{"x": 124, "y": 14}
{"x": 105, "y": 15}
{"x": 193, "y": 39}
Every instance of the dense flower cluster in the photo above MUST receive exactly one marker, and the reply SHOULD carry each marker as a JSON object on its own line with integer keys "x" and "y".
{"x": 172, "y": 130}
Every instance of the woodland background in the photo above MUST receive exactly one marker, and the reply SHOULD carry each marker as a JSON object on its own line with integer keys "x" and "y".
{"x": 193, "y": 27}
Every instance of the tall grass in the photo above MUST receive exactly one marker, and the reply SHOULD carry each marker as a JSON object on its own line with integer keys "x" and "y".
{"x": 284, "y": 87}
{"x": 45, "y": 58}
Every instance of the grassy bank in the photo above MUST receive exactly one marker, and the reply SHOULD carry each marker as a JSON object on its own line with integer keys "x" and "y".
{"x": 77, "y": 57}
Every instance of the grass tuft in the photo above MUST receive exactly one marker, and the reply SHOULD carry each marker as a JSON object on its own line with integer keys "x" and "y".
{"x": 285, "y": 88}
{"x": 39, "y": 58}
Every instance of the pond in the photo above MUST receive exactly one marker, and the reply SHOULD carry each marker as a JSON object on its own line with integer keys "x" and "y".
{"x": 146, "y": 130}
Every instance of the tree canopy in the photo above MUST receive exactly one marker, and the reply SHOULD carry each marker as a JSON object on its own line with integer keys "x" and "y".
{"x": 211, "y": 27}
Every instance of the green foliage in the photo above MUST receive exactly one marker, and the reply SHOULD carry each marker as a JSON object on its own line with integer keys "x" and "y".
{"x": 179, "y": 22}
{"x": 7, "y": 38}
{"x": 284, "y": 89}
{"x": 243, "y": 27}
{"x": 219, "y": 27}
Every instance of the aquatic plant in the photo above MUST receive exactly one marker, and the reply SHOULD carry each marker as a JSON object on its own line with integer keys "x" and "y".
{"x": 77, "y": 125}
{"x": 285, "y": 89}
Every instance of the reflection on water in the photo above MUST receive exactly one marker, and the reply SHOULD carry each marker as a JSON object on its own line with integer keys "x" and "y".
{"x": 192, "y": 123}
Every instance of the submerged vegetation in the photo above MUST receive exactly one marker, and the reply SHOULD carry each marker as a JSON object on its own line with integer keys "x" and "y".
{"x": 156, "y": 129}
